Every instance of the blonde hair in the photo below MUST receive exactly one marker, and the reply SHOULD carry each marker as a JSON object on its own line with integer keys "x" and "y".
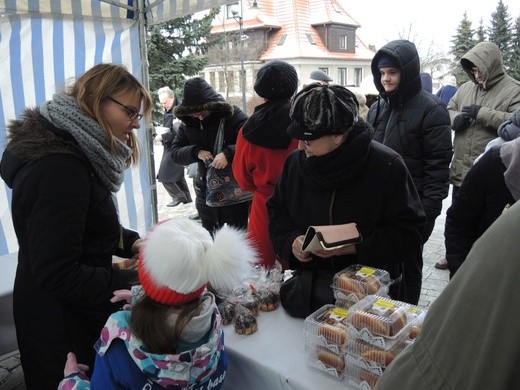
{"x": 98, "y": 83}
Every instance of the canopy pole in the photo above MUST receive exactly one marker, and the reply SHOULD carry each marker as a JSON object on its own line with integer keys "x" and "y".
{"x": 141, "y": 22}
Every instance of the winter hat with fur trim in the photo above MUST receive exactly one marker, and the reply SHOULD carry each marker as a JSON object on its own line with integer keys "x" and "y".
{"x": 276, "y": 80}
{"x": 320, "y": 110}
{"x": 179, "y": 258}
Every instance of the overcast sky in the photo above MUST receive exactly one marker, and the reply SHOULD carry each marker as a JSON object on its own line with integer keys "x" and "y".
{"x": 435, "y": 21}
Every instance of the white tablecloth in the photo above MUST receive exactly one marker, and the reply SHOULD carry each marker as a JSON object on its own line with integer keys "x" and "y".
{"x": 273, "y": 357}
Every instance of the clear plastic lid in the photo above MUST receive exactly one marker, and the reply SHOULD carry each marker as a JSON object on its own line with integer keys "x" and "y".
{"x": 328, "y": 323}
{"x": 357, "y": 281}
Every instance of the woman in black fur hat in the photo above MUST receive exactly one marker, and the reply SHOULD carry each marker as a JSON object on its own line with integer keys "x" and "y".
{"x": 201, "y": 111}
{"x": 340, "y": 175}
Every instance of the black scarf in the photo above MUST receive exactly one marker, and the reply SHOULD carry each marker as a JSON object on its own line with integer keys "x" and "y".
{"x": 267, "y": 127}
{"x": 339, "y": 167}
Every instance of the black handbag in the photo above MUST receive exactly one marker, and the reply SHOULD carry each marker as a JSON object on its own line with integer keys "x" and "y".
{"x": 221, "y": 187}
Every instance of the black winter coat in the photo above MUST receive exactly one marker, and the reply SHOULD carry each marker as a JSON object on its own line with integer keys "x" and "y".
{"x": 195, "y": 135}
{"x": 380, "y": 198}
{"x": 169, "y": 172}
{"x": 479, "y": 202}
{"x": 68, "y": 229}
{"x": 416, "y": 125}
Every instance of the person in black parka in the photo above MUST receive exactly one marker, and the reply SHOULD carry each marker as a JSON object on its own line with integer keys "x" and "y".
{"x": 416, "y": 125}
{"x": 171, "y": 175}
{"x": 64, "y": 161}
{"x": 200, "y": 112}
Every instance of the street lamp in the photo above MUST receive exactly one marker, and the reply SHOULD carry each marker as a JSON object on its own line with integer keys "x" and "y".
{"x": 240, "y": 20}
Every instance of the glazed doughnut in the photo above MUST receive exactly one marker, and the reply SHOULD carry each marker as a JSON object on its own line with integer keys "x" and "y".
{"x": 330, "y": 359}
{"x": 379, "y": 356}
{"x": 333, "y": 333}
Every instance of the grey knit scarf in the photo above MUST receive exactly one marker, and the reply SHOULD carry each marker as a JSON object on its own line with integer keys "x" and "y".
{"x": 64, "y": 113}
{"x": 510, "y": 155}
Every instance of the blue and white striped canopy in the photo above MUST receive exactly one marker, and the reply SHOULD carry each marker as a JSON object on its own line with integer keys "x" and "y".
{"x": 44, "y": 44}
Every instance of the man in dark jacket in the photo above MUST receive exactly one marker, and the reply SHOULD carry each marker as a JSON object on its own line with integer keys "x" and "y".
{"x": 201, "y": 112}
{"x": 415, "y": 124}
{"x": 171, "y": 175}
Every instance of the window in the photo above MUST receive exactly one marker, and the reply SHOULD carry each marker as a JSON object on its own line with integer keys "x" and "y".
{"x": 229, "y": 10}
{"x": 342, "y": 76}
{"x": 282, "y": 39}
{"x": 325, "y": 70}
{"x": 310, "y": 38}
{"x": 212, "y": 78}
{"x": 358, "y": 76}
{"x": 343, "y": 42}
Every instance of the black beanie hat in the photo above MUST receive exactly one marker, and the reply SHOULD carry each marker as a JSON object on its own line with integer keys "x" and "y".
{"x": 319, "y": 110}
{"x": 385, "y": 61}
{"x": 276, "y": 80}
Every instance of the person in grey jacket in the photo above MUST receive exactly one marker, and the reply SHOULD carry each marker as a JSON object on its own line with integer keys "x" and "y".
{"x": 470, "y": 337}
{"x": 478, "y": 108}
{"x": 415, "y": 124}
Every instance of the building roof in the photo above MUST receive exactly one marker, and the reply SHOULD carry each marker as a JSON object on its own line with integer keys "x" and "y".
{"x": 295, "y": 24}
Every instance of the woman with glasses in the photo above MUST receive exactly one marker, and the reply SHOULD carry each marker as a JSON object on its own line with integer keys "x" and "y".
{"x": 64, "y": 161}
{"x": 339, "y": 175}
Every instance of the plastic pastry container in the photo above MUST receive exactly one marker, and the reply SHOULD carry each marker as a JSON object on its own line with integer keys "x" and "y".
{"x": 380, "y": 321}
{"x": 357, "y": 281}
{"x": 328, "y": 324}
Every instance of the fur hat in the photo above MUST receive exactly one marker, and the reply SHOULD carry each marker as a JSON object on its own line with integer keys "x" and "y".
{"x": 385, "y": 61}
{"x": 319, "y": 76}
{"x": 319, "y": 110}
{"x": 276, "y": 80}
{"x": 179, "y": 258}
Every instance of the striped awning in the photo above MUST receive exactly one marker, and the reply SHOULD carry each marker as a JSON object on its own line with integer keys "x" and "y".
{"x": 44, "y": 44}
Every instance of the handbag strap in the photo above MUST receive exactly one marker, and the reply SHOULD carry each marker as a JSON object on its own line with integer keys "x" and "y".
{"x": 219, "y": 141}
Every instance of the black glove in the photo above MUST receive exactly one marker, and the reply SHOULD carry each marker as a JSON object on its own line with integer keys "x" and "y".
{"x": 471, "y": 111}
{"x": 461, "y": 122}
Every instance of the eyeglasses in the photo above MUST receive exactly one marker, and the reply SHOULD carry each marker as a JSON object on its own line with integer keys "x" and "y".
{"x": 132, "y": 114}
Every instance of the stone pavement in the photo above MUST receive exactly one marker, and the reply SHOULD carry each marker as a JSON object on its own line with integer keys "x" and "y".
{"x": 434, "y": 280}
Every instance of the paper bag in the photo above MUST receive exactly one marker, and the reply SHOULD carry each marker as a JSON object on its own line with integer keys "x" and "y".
{"x": 329, "y": 237}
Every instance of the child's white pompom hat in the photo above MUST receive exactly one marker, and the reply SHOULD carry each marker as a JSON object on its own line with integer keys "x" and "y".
{"x": 179, "y": 258}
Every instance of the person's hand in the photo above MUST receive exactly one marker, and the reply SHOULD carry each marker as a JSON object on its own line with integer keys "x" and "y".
{"x": 204, "y": 155}
{"x": 72, "y": 366}
{"x": 220, "y": 161}
{"x": 136, "y": 246}
{"x": 461, "y": 122}
{"x": 123, "y": 295}
{"x": 302, "y": 256}
{"x": 471, "y": 111}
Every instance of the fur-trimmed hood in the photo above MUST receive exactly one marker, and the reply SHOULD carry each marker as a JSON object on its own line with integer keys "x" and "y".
{"x": 31, "y": 138}
{"x": 200, "y": 96}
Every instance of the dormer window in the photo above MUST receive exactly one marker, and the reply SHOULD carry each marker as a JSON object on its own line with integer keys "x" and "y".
{"x": 343, "y": 42}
